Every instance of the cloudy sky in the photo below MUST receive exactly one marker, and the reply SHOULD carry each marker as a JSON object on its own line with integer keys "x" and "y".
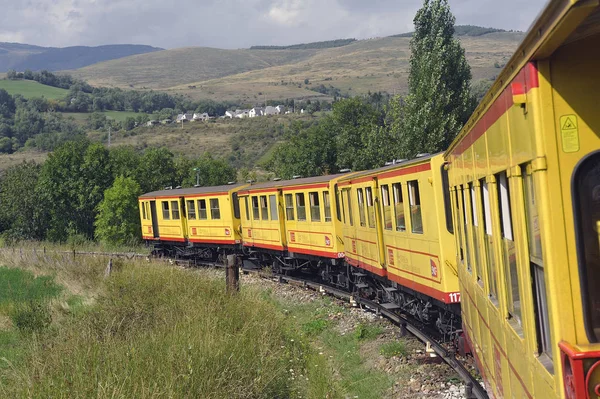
{"x": 233, "y": 23}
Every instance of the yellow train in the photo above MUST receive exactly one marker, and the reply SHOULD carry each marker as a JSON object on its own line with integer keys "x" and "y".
{"x": 497, "y": 238}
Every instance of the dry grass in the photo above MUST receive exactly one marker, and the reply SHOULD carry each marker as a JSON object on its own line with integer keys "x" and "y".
{"x": 8, "y": 160}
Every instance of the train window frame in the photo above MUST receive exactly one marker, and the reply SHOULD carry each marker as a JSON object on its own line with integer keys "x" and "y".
{"x": 143, "y": 210}
{"x": 247, "y": 208}
{"x": 459, "y": 227}
{"x": 386, "y": 207}
{"x": 148, "y": 211}
{"x": 416, "y": 213}
{"x": 490, "y": 264}
{"x": 289, "y": 206}
{"x": 447, "y": 198}
{"x": 301, "y": 206}
{"x": 338, "y": 211}
{"x": 315, "y": 206}
{"x": 166, "y": 210}
{"x": 273, "y": 207}
{"x": 361, "y": 207}
{"x": 342, "y": 202}
{"x": 327, "y": 207}
{"x": 215, "y": 211}
{"x": 370, "y": 207}
{"x": 542, "y": 315}
{"x": 264, "y": 207}
{"x": 348, "y": 193}
{"x": 191, "y": 209}
{"x": 399, "y": 211}
{"x": 175, "y": 210}
{"x": 255, "y": 207}
{"x": 236, "y": 206}
{"x": 465, "y": 223}
{"x": 511, "y": 270}
{"x": 475, "y": 218}
{"x": 202, "y": 209}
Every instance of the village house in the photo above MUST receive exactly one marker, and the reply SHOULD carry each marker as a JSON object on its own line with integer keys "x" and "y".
{"x": 184, "y": 117}
{"x": 152, "y": 123}
{"x": 229, "y": 114}
{"x": 200, "y": 117}
{"x": 256, "y": 111}
{"x": 242, "y": 113}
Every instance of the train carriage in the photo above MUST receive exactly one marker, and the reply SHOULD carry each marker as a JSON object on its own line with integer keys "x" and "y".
{"x": 524, "y": 188}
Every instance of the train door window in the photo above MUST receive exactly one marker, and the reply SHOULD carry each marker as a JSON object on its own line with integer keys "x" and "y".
{"x": 315, "y": 206}
{"x": 202, "y": 213}
{"x": 414, "y": 198}
{"x": 143, "y": 210}
{"x": 349, "y": 206}
{"x": 236, "y": 206}
{"x": 489, "y": 241}
{"x": 399, "y": 207}
{"x": 255, "y": 210}
{"x": 343, "y": 202}
{"x": 465, "y": 220}
{"x": 361, "y": 206}
{"x": 508, "y": 250}
{"x": 215, "y": 212}
{"x": 475, "y": 222}
{"x": 148, "y": 213}
{"x": 300, "y": 207}
{"x": 387, "y": 207}
{"x": 165, "y": 209}
{"x": 191, "y": 209}
{"x": 370, "y": 207}
{"x": 447, "y": 200}
{"x": 326, "y": 206}
{"x": 264, "y": 208}
{"x": 459, "y": 224}
{"x": 247, "y": 208}
{"x": 289, "y": 207}
{"x": 273, "y": 206}
{"x": 337, "y": 203}
{"x": 175, "y": 210}
{"x": 537, "y": 269}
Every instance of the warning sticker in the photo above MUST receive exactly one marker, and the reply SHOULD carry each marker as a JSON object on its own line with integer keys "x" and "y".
{"x": 569, "y": 131}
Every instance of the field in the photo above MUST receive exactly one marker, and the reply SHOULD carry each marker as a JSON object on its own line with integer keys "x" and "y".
{"x": 30, "y": 89}
{"x": 379, "y": 64}
{"x": 119, "y": 116}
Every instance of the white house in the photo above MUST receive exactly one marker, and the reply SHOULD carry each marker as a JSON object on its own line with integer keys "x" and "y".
{"x": 280, "y": 109}
{"x": 229, "y": 114}
{"x": 184, "y": 117}
{"x": 200, "y": 117}
{"x": 242, "y": 113}
{"x": 152, "y": 123}
{"x": 269, "y": 110}
{"x": 256, "y": 111}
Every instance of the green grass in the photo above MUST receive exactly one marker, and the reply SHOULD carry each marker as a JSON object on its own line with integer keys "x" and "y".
{"x": 18, "y": 286}
{"x": 31, "y": 89}
{"x": 393, "y": 348}
{"x": 119, "y": 116}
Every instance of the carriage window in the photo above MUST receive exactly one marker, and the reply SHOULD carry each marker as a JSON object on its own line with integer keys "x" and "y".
{"x": 143, "y": 210}
{"x": 315, "y": 208}
{"x": 459, "y": 224}
{"x": 349, "y": 206}
{"x": 466, "y": 228}
{"x": 264, "y": 208}
{"x": 274, "y": 209}
{"x": 414, "y": 198}
{"x": 175, "y": 210}
{"x": 370, "y": 207}
{"x": 447, "y": 201}
{"x": 247, "y": 208}
{"x": 337, "y": 204}
{"x": 343, "y": 202}
{"x": 255, "y": 210}
{"x": 536, "y": 262}
{"x": 202, "y": 214}
{"x": 399, "y": 207}
{"x": 326, "y": 206}
{"x": 489, "y": 241}
{"x": 361, "y": 206}
{"x": 236, "y": 206}
{"x": 387, "y": 207}
{"x": 191, "y": 209}
{"x": 289, "y": 207}
{"x": 300, "y": 207}
{"x": 475, "y": 222}
{"x": 148, "y": 213}
{"x": 215, "y": 212}
{"x": 508, "y": 249}
{"x": 165, "y": 209}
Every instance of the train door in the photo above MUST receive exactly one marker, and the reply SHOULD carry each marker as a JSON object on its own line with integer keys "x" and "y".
{"x": 154, "y": 219}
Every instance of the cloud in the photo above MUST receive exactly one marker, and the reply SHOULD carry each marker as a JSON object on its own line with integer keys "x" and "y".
{"x": 233, "y": 23}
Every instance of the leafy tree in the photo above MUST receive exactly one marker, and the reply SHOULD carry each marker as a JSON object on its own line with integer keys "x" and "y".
{"x": 19, "y": 203}
{"x": 439, "y": 101}
{"x": 124, "y": 161}
{"x": 211, "y": 171}
{"x": 118, "y": 221}
{"x": 156, "y": 170}
{"x": 28, "y": 123}
{"x": 7, "y": 104}
{"x": 129, "y": 123}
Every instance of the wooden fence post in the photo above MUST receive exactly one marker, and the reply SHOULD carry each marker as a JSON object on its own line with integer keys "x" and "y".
{"x": 232, "y": 273}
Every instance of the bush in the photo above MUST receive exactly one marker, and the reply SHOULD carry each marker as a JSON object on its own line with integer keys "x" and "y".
{"x": 32, "y": 317}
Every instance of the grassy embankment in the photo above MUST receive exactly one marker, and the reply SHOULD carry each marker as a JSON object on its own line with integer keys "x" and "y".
{"x": 31, "y": 89}
{"x": 148, "y": 330}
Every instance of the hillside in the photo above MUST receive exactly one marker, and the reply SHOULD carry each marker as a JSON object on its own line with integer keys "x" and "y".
{"x": 24, "y": 56}
{"x": 31, "y": 89}
{"x": 379, "y": 64}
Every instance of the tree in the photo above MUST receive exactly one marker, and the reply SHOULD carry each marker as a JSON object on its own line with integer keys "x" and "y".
{"x": 439, "y": 101}
{"x": 211, "y": 171}
{"x": 118, "y": 220}
{"x": 156, "y": 170}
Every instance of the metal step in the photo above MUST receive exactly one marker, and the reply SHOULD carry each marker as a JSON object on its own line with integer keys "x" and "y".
{"x": 289, "y": 258}
{"x": 359, "y": 275}
{"x": 390, "y": 306}
{"x": 361, "y": 285}
{"x": 390, "y": 289}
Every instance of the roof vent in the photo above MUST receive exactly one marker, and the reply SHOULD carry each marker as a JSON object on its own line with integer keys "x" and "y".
{"x": 169, "y": 188}
{"x": 277, "y": 179}
{"x": 249, "y": 181}
{"x": 390, "y": 163}
{"x": 424, "y": 154}
{"x": 296, "y": 176}
{"x": 345, "y": 170}
{"x": 178, "y": 187}
{"x": 196, "y": 185}
{"x": 229, "y": 183}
